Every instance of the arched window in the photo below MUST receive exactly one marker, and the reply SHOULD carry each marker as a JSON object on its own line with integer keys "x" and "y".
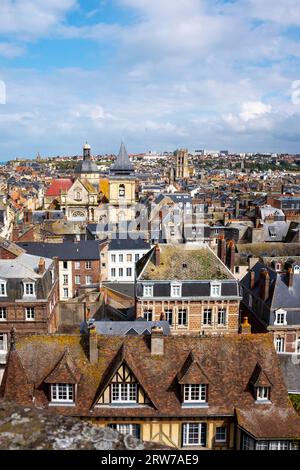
{"x": 78, "y": 196}
{"x": 121, "y": 190}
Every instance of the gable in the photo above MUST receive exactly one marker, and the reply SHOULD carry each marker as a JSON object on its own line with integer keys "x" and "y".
{"x": 192, "y": 373}
{"x": 65, "y": 371}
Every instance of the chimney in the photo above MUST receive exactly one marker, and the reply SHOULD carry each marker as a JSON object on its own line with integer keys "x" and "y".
{"x": 157, "y": 341}
{"x": 252, "y": 280}
{"x": 41, "y": 266}
{"x": 230, "y": 255}
{"x": 157, "y": 255}
{"x": 245, "y": 327}
{"x": 290, "y": 277}
{"x": 222, "y": 248}
{"x": 264, "y": 284}
{"x": 93, "y": 350}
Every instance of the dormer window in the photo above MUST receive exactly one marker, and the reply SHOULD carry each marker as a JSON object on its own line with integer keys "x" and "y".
{"x": 3, "y": 292}
{"x": 262, "y": 394}
{"x": 124, "y": 393}
{"x": 148, "y": 291}
{"x": 280, "y": 317}
{"x": 297, "y": 269}
{"x": 29, "y": 289}
{"x": 215, "y": 289}
{"x": 175, "y": 290}
{"x": 277, "y": 267}
{"x": 195, "y": 393}
{"x": 62, "y": 393}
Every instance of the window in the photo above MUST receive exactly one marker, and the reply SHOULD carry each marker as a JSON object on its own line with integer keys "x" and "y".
{"x": 120, "y": 272}
{"x": 194, "y": 434}
{"x": 29, "y": 313}
{"x": 3, "y": 313}
{"x": 113, "y": 258}
{"x": 169, "y": 316}
{"x": 182, "y": 317}
{"x": 296, "y": 269}
{"x": 113, "y": 272}
{"x": 78, "y": 196}
{"x": 3, "y": 342}
{"x": 215, "y": 290}
{"x": 29, "y": 289}
{"x": 280, "y": 317}
{"x": 262, "y": 393}
{"x": 3, "y": 289}
{"x": 237, "y": 269}
{"x": 221, "y": 434}
{"x": 128, "y": 272}
{"x": 279, "y": 445}
{"x": 125, "y": 428}
{"x": 77, "y": 264}
{"x": 124, "y": 392}
{"x": 175, "y": 290}
{"x": 120, "y": 258}
{"x": 148, "y": 291}
{"x": 195, "y": 393}
{"x": 247, "y": 442}
{"x": 147, "y": 314}
{"x": 297, "y": 344}
{"x": 88, "y": 265}
{"x": 279, "y": 344}
{"x": 62, "y": 393}
{"x": 207, "y": 315}
{"x": 65, "y": 264}
{"x": 136, "y": 257}
{"x": 77, "y": 279}
{"x": 65, "y": 279}
{"x": 221, "y": 317}
{"x": 128, "y": 258}
{"x": 88, "y": 280}
{"x": 262, "y": 445}
{"x": 65, "y": 293}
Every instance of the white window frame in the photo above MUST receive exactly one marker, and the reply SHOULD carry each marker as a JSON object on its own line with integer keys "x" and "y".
{"x": 127, "y": 428}
{"x": 199, "y": 389}
{"x": 3, "y": 314}
{"x": 279, "y": 344}
{"x": 88, "y": 280}
{"x": 121, "y": 258}
{"x": 176, "y": 290}
{"x": 187, "y": 428}
{"x": 65, "y": 279}
{"x": 3, "y": 341}
{"x": 77, "y": 264}
{"x": 213, "y": 287}
{"x": 113, "y": 272}
{"x": 88, "y": 265}
{"x": 77, "y": 279}
{"x": 64, "y": 290}
{"x": 3, "y": 286}
{"x": 147, "y": 291}
{"x": 181, "y": 311}
{"x": 280, "y": 314}
{"x": 206, "y": 310}
{"x": 121, "y": 272}
{"x": 124, "y": 389}
{"x": 296, "y": 269}
{"x": 113, "y": 258}
{"x": 57, "y": 388}
{"x": 130, "y": 270}
{"x": 223, "y": 312}
{"x": 262, "y": 394}
{"x": 26, "y": 284}
{"x": 169, "y": 315}
{"x": 29, "y": 314}
{"x": 148, "y": 314}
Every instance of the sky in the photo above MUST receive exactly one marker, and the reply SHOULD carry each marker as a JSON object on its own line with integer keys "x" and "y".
{"x": 158, "y": 74}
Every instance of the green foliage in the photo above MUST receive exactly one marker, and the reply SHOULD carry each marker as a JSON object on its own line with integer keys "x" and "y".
{"x": 295, "y": 399}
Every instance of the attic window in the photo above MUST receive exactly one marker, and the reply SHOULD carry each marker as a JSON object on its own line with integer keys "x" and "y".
{"x": 262, "y": 394}
{"x": 62, "y": 393}
{"x": 272, "y": 232}
{"x": 184, "y": 265}
{"x": 296, "y": 269}
{"x": 195, "y": 393}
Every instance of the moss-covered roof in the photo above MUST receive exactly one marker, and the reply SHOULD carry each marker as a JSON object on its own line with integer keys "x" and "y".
{"x": 186, "y": 263}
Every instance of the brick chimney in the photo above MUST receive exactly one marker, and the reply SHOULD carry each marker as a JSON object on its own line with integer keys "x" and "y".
{"x": 93, "y": 350}
{"x": 222, "y": 248}
{"x": 157, "y": 255}
{"x": 157, "y": 341}
{"x": 245, "y": 327}
{"x": 264, "y": 284}
{"x": 41, "y": 266}
{"x": 230, "y": 255}
{"x": 290, "y": 277}
{"x": 252, "y": 279}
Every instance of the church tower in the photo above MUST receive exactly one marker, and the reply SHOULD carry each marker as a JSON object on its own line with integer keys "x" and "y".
{"x": 122, "y": 188}
{"x": 87, "y": 169}
{"x": 182, "y": 164}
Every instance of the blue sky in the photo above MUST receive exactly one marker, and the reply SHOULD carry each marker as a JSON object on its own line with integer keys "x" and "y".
{"x": 160, "y": 74}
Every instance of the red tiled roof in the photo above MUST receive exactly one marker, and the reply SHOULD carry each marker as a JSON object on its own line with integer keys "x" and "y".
{"x": 55, "y": 188}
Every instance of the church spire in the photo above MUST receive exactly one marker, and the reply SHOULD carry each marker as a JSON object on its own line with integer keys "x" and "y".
{"x": 122, "y": 164}
{"x": 86, "y": 151}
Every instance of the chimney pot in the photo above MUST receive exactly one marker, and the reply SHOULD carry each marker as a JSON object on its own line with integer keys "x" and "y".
{"x": 157, "y": 255}
{"x": 290, "y": 277}
{"x": 252, "y": 279}
{"x": 41, "y": 266}
{"x": 245, "y": 327}
{"x": 93, "y": 349}
{"x": 264, "y": 284}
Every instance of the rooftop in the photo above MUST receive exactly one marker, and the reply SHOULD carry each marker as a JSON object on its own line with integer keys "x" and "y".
{"x": 185, "y": 262}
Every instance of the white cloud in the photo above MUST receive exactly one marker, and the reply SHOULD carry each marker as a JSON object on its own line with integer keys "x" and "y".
{"x": 254, "y": 109}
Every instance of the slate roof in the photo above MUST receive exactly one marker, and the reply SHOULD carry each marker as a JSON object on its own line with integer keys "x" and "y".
{"x": 227, "y": 361}
{"x": 68, "y": 251}
{"x": 128, "y": 243}
{"x": 123, "y": 328}
{"x": 122, "y": 165}
{"x": 22, "y": 267}
{"x": 290, "y": 366}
